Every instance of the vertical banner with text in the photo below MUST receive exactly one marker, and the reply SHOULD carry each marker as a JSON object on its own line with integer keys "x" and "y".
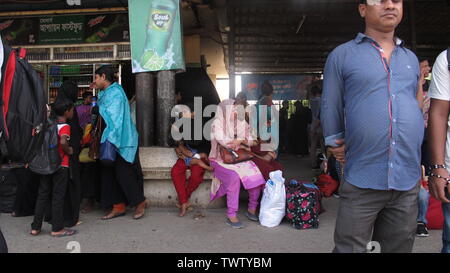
{"x": 156, "y": 35}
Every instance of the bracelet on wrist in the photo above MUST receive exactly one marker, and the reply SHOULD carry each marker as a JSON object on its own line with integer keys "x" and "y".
{"x": 438, "y": 176}
{"x": 437, "y": 166}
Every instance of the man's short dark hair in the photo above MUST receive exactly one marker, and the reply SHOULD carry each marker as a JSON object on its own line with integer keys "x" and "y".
{"x": 362, "y": 1}
{"x": 108, "y": 71}
{"x": 61, "y": 108}
{"x": 86, "y": 94}
{"x": 423, "y": 59}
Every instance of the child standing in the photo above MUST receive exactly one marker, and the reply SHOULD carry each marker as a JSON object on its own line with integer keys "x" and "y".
{"x": 52, "y": 188}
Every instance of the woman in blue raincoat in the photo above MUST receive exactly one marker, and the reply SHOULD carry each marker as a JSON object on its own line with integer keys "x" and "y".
{"x": 122, "y": 181}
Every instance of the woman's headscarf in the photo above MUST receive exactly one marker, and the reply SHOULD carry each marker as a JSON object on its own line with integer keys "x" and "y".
{"x": 67, "y": 92}
{"x": 225, "y": 128}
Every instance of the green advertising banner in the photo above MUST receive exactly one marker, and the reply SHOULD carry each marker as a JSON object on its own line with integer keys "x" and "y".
{"x": 107, "y": 28}
{"x": 156, "y": 35}
{"x": 19, "y": 31}
{"x": 61, "y": 30}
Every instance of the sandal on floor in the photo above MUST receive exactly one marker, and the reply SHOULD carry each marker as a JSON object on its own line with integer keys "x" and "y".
{"x": 66, "y": 233}
{"x": 111, "y": 215}
{"x": 140, "y": 209}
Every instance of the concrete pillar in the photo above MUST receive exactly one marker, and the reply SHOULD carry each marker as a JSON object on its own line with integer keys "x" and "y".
{"x": 231, "y": 54}
{"x": 164, "y": 103}
{"x": 145, "y": 109}
{"x": 412, "y": 25}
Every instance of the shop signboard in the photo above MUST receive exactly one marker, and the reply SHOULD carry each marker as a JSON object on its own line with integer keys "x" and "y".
{"x": 156, "y": 35}
{"x": 61, "y": 29}
{"x": 73, "y": 29}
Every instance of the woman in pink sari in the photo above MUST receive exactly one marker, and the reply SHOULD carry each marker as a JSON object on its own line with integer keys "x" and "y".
{"x": 230, "y": 129}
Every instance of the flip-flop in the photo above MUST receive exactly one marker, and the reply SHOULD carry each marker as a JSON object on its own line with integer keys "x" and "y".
{"x": 114, "y": 216}
{"x": 66, "y": 233}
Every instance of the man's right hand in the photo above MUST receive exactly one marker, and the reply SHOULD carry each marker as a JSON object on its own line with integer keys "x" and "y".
{"x": 437, "y": 186}
{"x": 339, "y": 152}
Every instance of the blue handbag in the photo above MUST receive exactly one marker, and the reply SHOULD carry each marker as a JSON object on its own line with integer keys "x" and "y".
{"x": 108, "y": 153}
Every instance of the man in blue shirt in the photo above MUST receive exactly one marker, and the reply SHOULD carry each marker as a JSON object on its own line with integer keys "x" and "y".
{"x": 372, "y": 122}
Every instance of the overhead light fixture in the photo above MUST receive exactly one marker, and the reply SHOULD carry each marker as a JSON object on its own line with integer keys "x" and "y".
{"x": 74, "y": 2}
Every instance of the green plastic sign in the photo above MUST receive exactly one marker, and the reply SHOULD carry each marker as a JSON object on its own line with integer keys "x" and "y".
{"x": 156, "y": 35}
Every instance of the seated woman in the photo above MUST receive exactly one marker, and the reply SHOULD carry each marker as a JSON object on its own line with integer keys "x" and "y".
{"x": 228, "y": 177}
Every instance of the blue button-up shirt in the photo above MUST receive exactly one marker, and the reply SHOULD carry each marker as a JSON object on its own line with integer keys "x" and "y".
{"x": 372, "y": 105}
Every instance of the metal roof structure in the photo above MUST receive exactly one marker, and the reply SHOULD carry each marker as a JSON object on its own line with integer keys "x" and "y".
{"x": 297, "y": 36}
{"x": 284, "y": 36}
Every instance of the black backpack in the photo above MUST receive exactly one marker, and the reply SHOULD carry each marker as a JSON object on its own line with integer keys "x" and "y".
{"x": 23, "y": 111}
{"x": 47, "y": 160}
{"x": 8, "y": 189}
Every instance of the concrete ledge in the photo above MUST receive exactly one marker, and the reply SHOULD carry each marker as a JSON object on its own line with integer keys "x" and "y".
{"x": 156, "y": 164}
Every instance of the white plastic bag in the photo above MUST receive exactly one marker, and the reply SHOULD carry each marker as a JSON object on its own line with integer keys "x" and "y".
{"x": 273, "y": 203}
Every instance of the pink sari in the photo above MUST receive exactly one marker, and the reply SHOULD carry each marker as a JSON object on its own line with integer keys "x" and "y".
{"x": 223, "y": 131}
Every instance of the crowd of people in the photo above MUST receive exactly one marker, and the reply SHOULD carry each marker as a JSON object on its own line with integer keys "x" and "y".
{"x": 84, "y": 178}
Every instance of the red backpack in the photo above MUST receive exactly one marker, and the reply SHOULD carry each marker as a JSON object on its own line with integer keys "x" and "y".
{"x": 23, "y": 111}
{"x": 435, "y": 216}
{"x": 327, "y": 185}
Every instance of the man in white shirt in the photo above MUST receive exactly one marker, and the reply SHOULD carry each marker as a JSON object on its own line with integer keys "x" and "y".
{"x": 1, "y": 57}
{"x": 316, "y": 133}
{"x": 439, "y": 140}
{"x": 3, "y": 247}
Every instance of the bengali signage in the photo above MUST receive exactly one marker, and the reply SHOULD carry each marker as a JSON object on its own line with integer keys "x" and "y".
{"x": 61, "y": 30}
{"x": 73, "y": 29}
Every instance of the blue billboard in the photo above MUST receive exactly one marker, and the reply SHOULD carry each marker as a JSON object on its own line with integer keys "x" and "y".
{"x": 286, "y": 87}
